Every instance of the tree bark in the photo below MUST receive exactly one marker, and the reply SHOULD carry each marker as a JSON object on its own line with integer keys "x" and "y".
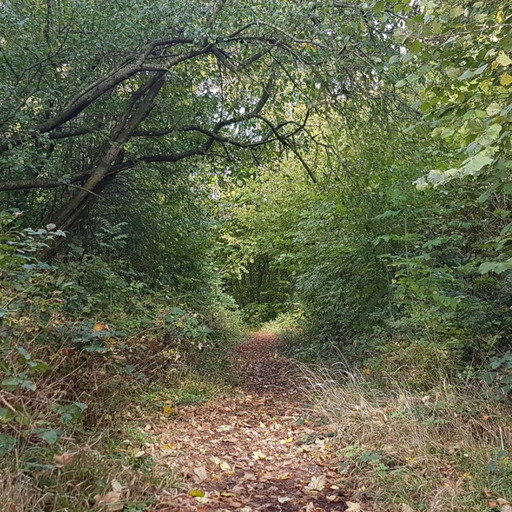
{"x": 140, "y": 105}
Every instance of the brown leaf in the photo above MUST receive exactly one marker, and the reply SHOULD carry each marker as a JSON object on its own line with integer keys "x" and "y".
{"x": 200, "y": 474}
{"x": 64, "y": 460}
{"x": 109, "y": 502}
{"x": 317, "y": 483}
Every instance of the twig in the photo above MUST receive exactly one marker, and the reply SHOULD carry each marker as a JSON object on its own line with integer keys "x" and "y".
{"x": 8, "y": 405}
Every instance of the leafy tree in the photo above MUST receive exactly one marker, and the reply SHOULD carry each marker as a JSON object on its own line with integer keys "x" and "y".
{"x": 460, "y": 53}
{"x": 93, "y": 91}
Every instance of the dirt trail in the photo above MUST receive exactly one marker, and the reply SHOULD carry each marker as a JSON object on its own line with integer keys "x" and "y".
{"x": 260, "y": 450}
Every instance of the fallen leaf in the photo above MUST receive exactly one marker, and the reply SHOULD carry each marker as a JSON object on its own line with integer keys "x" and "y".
{"x": 353, "y": 507}
{"x": 100, "y": 326}
{"x": 284, "y": 499}
{"x": 196, "y": 493}
{"x": 317, "y": 483}
{"x": 65, "y": 459}
{"x": 167, "y": 409}
{"x": 310, "y": 507}
{"x": 116, "y": 486}
{"x": 406, "y": 508}
{"x": 109, "y": 502}
{"x": 224, "y": 428}
{"x": 200, "y": 474}
{"x": 225, "y": 466}
{"x": 258, "y": 455}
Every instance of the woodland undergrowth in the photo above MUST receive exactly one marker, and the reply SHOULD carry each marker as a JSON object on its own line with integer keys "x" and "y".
{"x": 89, "y": 351}
{"x": 400, "y": 448}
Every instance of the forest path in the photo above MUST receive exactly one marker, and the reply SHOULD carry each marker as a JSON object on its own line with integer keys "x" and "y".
{"x": 260, "y": 450}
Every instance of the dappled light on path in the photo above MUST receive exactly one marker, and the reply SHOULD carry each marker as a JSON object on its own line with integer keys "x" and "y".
{"x": 260, "y": 449}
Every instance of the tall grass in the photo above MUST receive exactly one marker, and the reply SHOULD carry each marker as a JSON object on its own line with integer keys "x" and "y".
{"x": 448, "y": 449}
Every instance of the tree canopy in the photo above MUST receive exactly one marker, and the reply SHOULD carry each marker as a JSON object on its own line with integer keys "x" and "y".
{"x": 337, "y": 174}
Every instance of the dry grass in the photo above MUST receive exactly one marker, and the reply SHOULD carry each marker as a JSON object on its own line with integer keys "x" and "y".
{"x": 93, "y": 472}
{"x": 17, "y": 493}
{"x": 445, "y": 450}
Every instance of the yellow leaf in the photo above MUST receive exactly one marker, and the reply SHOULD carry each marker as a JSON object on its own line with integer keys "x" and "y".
{"x": 100, "y": 327}
{"x": 167, "y": 409}
{"x": 503, "y": 60}
{"x": 500, "y": 17}
{"x": 286, "y": 441}
{"x": 196, "y": 493}
{"x": 506, "y": 79}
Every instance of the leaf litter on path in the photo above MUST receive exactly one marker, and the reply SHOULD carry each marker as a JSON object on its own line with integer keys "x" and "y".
{"x": 260, "y": 450}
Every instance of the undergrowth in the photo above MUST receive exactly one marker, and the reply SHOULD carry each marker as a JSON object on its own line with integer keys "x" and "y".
{"x": 400, "y": 449}
{"x": 89, "y": 352}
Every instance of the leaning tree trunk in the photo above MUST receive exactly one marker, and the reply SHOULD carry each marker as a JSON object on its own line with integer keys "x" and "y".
{"x": 140, "y": 105}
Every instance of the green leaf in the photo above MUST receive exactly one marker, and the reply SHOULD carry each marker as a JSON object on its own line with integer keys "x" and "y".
{"x": 23, "y": 353}
{"x": 50, "y": 436}
{"x": 503, "y": 60}
{"x": 496, "y": 268}
{"x": 6, "y": 415}
{"x": 466, "y": 75}
{"x": 476, "y": 163}
{"x": 7, "y": 443}
{"x": 493, "y": 109}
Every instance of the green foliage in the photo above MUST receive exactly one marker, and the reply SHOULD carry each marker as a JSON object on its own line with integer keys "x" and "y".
{"x": 458, "y": 54}
{"x": 54, "y": 318}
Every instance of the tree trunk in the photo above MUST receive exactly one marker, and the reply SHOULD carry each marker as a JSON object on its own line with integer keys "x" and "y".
{"x": 140, "y": 105}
